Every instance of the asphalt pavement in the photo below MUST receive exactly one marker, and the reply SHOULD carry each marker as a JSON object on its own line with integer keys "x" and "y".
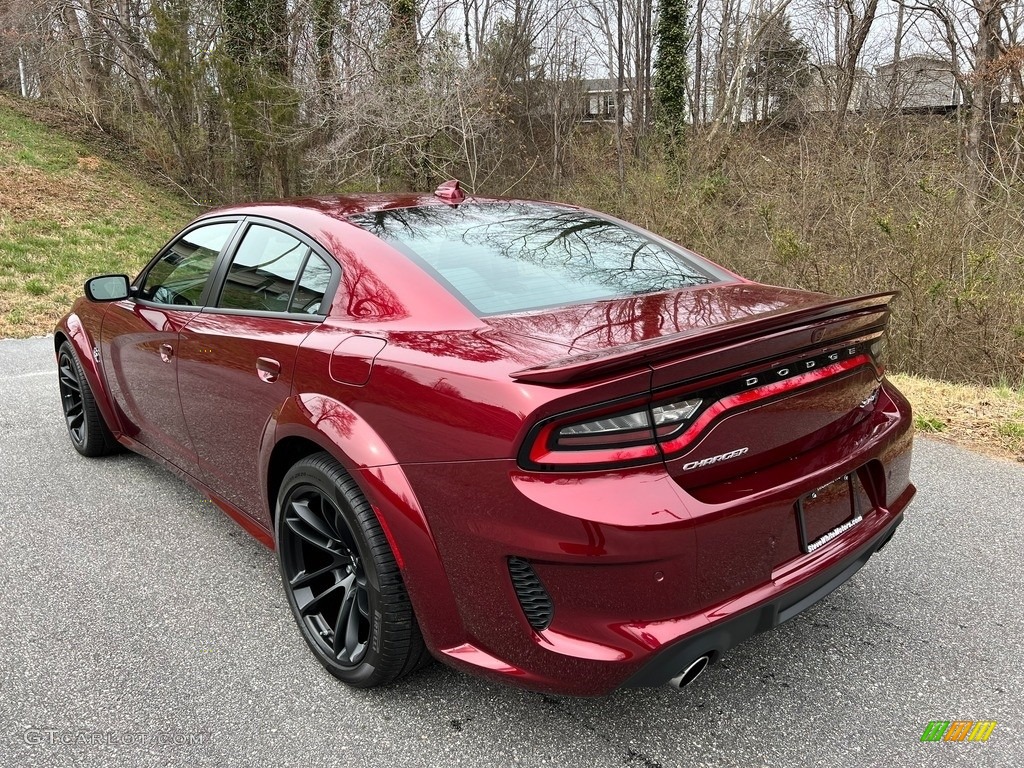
{"x": 141, "y": 627}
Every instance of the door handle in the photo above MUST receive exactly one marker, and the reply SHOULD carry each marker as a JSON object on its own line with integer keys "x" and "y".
{"x": 166, "y": 352}
{"x": 268, "y": 369}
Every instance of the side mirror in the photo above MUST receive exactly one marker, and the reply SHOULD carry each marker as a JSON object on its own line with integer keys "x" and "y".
{"x": 107, "y": 288}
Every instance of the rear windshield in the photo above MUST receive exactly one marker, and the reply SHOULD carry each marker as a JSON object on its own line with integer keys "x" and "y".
{"x": 509, "y": 257}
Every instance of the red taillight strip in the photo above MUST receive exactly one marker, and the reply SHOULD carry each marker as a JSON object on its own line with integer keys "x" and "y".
{"x": 539, "y": 453}
{"x": 759, "y": 393}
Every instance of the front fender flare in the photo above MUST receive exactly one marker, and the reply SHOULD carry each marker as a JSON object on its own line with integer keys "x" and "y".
{"x": 73, "y": 330}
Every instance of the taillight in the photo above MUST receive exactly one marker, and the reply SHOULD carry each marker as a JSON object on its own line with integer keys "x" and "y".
{"x": 668, "y": 417}
{"x": 629, "y": 428}
{"x": 640, "y": 431}
{"x": 622, "y": 430}
{"x": 617, "y": 438}
{"x": 603, "y": 439}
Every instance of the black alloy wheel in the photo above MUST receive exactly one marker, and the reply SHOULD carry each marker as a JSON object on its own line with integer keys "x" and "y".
{"x": 341, "y": 579}
{"x": 89, "y": 434}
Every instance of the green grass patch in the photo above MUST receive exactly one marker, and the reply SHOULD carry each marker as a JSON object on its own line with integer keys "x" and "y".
{"x": 30, "y": 144}
{"x": 928, "y": 423}
{"x": 1011, "y": 429}
{"x": 1007, "y": 389}
{"x": 36, "y": 287}
{"x": 62, "y": 221}
{"x": 990, "y": 419}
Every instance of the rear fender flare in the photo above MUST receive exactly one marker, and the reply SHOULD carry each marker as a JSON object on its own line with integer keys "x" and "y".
{"x": 344, "y": 434}
{"x": 333, "y": 426}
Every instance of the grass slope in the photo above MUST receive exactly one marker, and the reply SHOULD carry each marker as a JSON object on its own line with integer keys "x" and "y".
{"x": 65, "y": 215}
{"x": 988, "y": 419}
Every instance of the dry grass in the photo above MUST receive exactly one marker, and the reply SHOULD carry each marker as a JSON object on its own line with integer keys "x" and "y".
{"x": 986, "y": 419}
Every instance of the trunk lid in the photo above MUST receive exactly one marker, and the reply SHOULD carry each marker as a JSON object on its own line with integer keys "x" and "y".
{"x": 769, "y": 370}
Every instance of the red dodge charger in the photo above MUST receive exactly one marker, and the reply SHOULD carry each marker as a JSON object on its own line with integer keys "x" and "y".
{"x": 530, "y": 440}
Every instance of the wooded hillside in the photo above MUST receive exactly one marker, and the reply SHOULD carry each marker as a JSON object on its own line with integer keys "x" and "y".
{"x": 838, "y": 145}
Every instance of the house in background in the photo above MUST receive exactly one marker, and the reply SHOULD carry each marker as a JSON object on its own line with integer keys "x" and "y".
{"x": 821, "y": 94}
{"x": 916, "y": 84}
{"x": 599, "y": 100}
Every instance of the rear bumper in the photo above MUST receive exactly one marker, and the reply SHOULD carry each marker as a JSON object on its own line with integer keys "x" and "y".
{"x": 649, "y": 654}
{"x": 730, "y": 632}
{"x": 643, "y": 576}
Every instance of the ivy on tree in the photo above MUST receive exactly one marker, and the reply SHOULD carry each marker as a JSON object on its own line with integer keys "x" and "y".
{"x": 670, "y": 66}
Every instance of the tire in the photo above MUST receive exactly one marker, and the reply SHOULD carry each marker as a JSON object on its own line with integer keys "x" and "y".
{"x": 341, "y": 579}
{"x": 88, "y": 431}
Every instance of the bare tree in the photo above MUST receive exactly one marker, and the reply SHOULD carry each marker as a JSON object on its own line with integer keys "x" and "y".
{"x": 858, "y": 18}
{"x": 975, "y": 37}
{"x": 987, "y": 99}
{"x": 740, "y": 36}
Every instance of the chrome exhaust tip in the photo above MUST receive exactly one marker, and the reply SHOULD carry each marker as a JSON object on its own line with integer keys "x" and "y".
{"x": 691, "y": 673}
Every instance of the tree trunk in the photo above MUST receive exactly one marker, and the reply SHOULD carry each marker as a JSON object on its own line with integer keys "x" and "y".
{"x": 90, "y": 74}
{"x": 857, "y": 35}
{"x": 894, "y": 98}
{"x": 620, "y": 76}
{"x": 987, "y": 101}
{"x": 697, "y": 101}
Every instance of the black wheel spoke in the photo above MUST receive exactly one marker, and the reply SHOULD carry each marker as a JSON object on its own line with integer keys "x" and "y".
{"x": 315, "y": 520}
{"x": 314, "y": 600}
{"x": 347, "y": 646}
{"x": 328, "y": 515}
{"x": 74, "y": 414}
{"x": 68, "y": 377}
{"x": 364, "y": 598}
{"x": 302, "y": 578}
{"x": 344, "y": 534}
{"x": 309, "y": 527}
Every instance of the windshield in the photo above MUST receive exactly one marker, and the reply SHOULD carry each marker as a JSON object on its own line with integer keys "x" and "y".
{"x": 515, "y": 256}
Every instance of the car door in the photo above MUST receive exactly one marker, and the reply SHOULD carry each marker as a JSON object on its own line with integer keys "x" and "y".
{"x": 139, "y": 339}
{"x": 236, "y": 358}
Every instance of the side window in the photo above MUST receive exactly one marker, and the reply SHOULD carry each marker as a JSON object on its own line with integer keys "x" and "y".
{"x": 263, "y": 271}
{"x": 179, "y": 276}
{"x": 309, "y": 295}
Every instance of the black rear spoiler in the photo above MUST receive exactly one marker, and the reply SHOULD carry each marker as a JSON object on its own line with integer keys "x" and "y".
{"x": 874, "y": 308}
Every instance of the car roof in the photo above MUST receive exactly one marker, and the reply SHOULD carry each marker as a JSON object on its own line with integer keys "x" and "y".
{"x": 343, "y": 206}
